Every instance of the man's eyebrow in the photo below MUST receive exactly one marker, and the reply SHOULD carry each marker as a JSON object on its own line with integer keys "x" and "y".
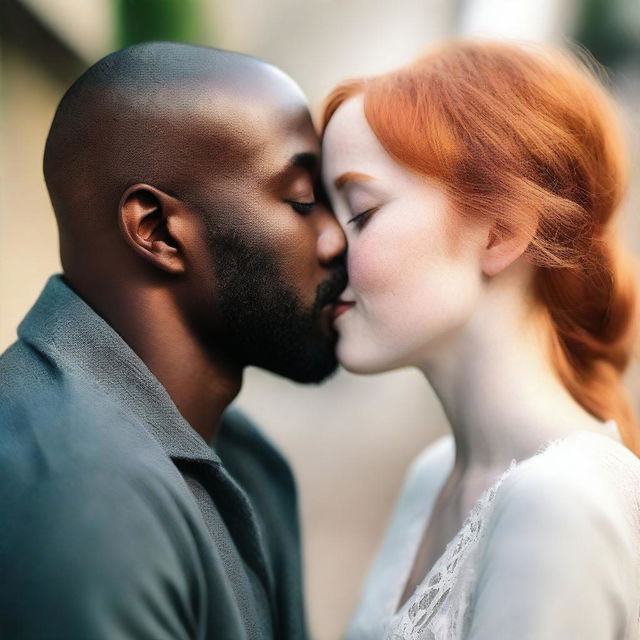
{"x": 351, "y": 176}
{"x": 306, "y": 160}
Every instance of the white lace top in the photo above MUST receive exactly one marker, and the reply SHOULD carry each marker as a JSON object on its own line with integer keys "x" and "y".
{"x": 551, "y": 551}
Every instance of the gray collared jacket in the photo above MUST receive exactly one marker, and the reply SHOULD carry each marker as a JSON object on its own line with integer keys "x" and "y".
{"x": 118, "y": 521}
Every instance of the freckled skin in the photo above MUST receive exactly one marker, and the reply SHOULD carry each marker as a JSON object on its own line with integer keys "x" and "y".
{"x": 413, "y": 267}
{"x": 169, "y": 165}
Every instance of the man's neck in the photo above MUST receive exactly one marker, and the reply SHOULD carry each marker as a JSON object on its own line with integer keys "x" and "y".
{"x": 148, "y": 320}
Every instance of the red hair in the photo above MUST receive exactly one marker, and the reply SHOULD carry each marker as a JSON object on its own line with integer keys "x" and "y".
{"x": 514, "y": 133}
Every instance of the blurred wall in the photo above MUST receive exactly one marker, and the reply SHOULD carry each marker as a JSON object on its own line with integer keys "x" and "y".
{"x": 28, "y": 234}
{"x": 351, "y": 439}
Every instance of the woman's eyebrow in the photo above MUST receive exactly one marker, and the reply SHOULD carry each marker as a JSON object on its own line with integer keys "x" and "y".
{"x": 351, "y": 176}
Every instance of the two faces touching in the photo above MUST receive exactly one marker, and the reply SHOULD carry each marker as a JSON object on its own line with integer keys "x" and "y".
{"x": 408, "y": 250}
{"x": 474, "y": 196}
{"x": 478, "y": 189}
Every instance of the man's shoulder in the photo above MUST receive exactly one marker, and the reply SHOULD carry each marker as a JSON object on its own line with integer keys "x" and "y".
{"x": 95, "y": 544}
{"x": 94, "y": 514}
{"x": 23, "y": 372}
{"x": 100, "y": 530}
{"x": 66, "y": 418}
{"x": 65, "y": 434}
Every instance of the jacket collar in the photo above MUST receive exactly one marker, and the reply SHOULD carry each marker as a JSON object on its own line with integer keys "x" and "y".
{"x": 65, "y": 329}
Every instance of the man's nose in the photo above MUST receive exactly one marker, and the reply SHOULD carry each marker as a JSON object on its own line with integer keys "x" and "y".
{"x": 331, "y": 241}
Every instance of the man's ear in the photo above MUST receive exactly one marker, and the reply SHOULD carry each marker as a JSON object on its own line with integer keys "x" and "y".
{"x": 146, "y": 216}
{"x": 504, "y": 246}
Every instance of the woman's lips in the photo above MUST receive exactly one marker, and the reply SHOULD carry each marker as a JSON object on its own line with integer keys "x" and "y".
{"x": 342, "y": 306}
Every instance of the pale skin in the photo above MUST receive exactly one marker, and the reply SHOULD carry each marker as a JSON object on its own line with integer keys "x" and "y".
{"x": 445, "y": 295}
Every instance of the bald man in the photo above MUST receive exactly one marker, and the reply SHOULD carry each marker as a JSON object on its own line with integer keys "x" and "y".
{"x": 194, "y": 242}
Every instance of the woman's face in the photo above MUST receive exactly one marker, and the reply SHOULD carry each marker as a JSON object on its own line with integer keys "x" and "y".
{"x": 414, "y": 264}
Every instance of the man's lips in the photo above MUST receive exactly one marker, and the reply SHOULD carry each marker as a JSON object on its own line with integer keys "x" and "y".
{"x": 341, "y": 306}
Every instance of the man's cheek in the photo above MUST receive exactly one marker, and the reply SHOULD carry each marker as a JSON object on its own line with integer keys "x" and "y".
{"x": 295, "y": 248}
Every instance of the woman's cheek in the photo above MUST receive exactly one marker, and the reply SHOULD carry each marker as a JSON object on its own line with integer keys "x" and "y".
{"x": 372, "y": 264}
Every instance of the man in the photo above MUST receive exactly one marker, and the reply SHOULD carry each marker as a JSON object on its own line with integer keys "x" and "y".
{"x": 184, "y": 182}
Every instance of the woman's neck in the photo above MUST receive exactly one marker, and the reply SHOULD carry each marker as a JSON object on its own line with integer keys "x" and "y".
{"x": 498, "y": 387}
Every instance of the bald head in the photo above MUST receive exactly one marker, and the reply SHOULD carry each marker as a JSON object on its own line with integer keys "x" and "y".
{"x": 157, "y": 113}
{"x": 185, "y": 182}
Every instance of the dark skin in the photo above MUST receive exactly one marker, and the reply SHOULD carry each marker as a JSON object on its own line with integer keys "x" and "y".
{"x": 230, "y": 144}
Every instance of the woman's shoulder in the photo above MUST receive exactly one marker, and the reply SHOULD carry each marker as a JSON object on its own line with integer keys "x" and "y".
{"x": 430, "y": 468}
{"x": 561, "y": 548}
{"x": 433, "y": 461}
{"x": 586, "y": 464}
{"x": 585, "y": 486}
{"x": 423, "y": 481}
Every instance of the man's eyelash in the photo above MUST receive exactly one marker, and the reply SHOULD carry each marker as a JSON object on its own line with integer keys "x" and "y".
{"x": 301, "y": 207}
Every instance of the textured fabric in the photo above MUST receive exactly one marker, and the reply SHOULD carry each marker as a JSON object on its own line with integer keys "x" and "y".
{"x": 551, "y": 551}
{"x": 118, "y": 519}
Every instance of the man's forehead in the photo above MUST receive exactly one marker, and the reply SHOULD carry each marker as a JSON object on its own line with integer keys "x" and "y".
{"x": 243, "y": 107}
{"x": 256, "y": 132}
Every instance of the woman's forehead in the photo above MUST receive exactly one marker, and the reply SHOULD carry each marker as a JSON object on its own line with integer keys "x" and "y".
{"x": 351, "y": 149}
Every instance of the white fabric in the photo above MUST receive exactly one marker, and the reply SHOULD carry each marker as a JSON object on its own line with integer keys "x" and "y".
{"x": 551, "y": 551}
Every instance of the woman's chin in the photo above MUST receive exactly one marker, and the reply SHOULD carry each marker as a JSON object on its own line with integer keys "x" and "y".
{"x": 359, "y": 360}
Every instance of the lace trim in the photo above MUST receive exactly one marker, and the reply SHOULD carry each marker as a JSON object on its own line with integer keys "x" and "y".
{"x": 417, "y": 614}
{"x": 438, "y": 607}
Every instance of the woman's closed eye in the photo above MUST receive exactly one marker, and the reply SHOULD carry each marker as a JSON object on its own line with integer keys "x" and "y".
{"x": 361, "y": 219}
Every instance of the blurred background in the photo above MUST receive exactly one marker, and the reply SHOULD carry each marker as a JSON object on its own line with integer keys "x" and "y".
{"x": 351, "y": 439}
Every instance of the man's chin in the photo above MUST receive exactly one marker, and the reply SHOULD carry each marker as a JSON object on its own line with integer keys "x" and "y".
{"x": 307, "y": 366}
{"x": 306, "y": 375}
{"x": 315, "y": 377}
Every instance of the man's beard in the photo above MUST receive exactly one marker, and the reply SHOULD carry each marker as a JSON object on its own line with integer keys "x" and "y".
{"x": 265, "y": 323}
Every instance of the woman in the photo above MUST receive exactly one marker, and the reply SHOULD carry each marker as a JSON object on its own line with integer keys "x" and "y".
{"x": 478, "y": 188}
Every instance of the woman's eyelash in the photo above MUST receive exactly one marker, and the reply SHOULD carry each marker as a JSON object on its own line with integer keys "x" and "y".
{"x": 301, "y": 207}
{"x": 360, "y": 220}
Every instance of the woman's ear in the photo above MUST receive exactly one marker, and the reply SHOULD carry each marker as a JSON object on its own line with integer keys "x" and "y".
{"x": 145, "y": 216}
{"x": 503, "y": 247}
